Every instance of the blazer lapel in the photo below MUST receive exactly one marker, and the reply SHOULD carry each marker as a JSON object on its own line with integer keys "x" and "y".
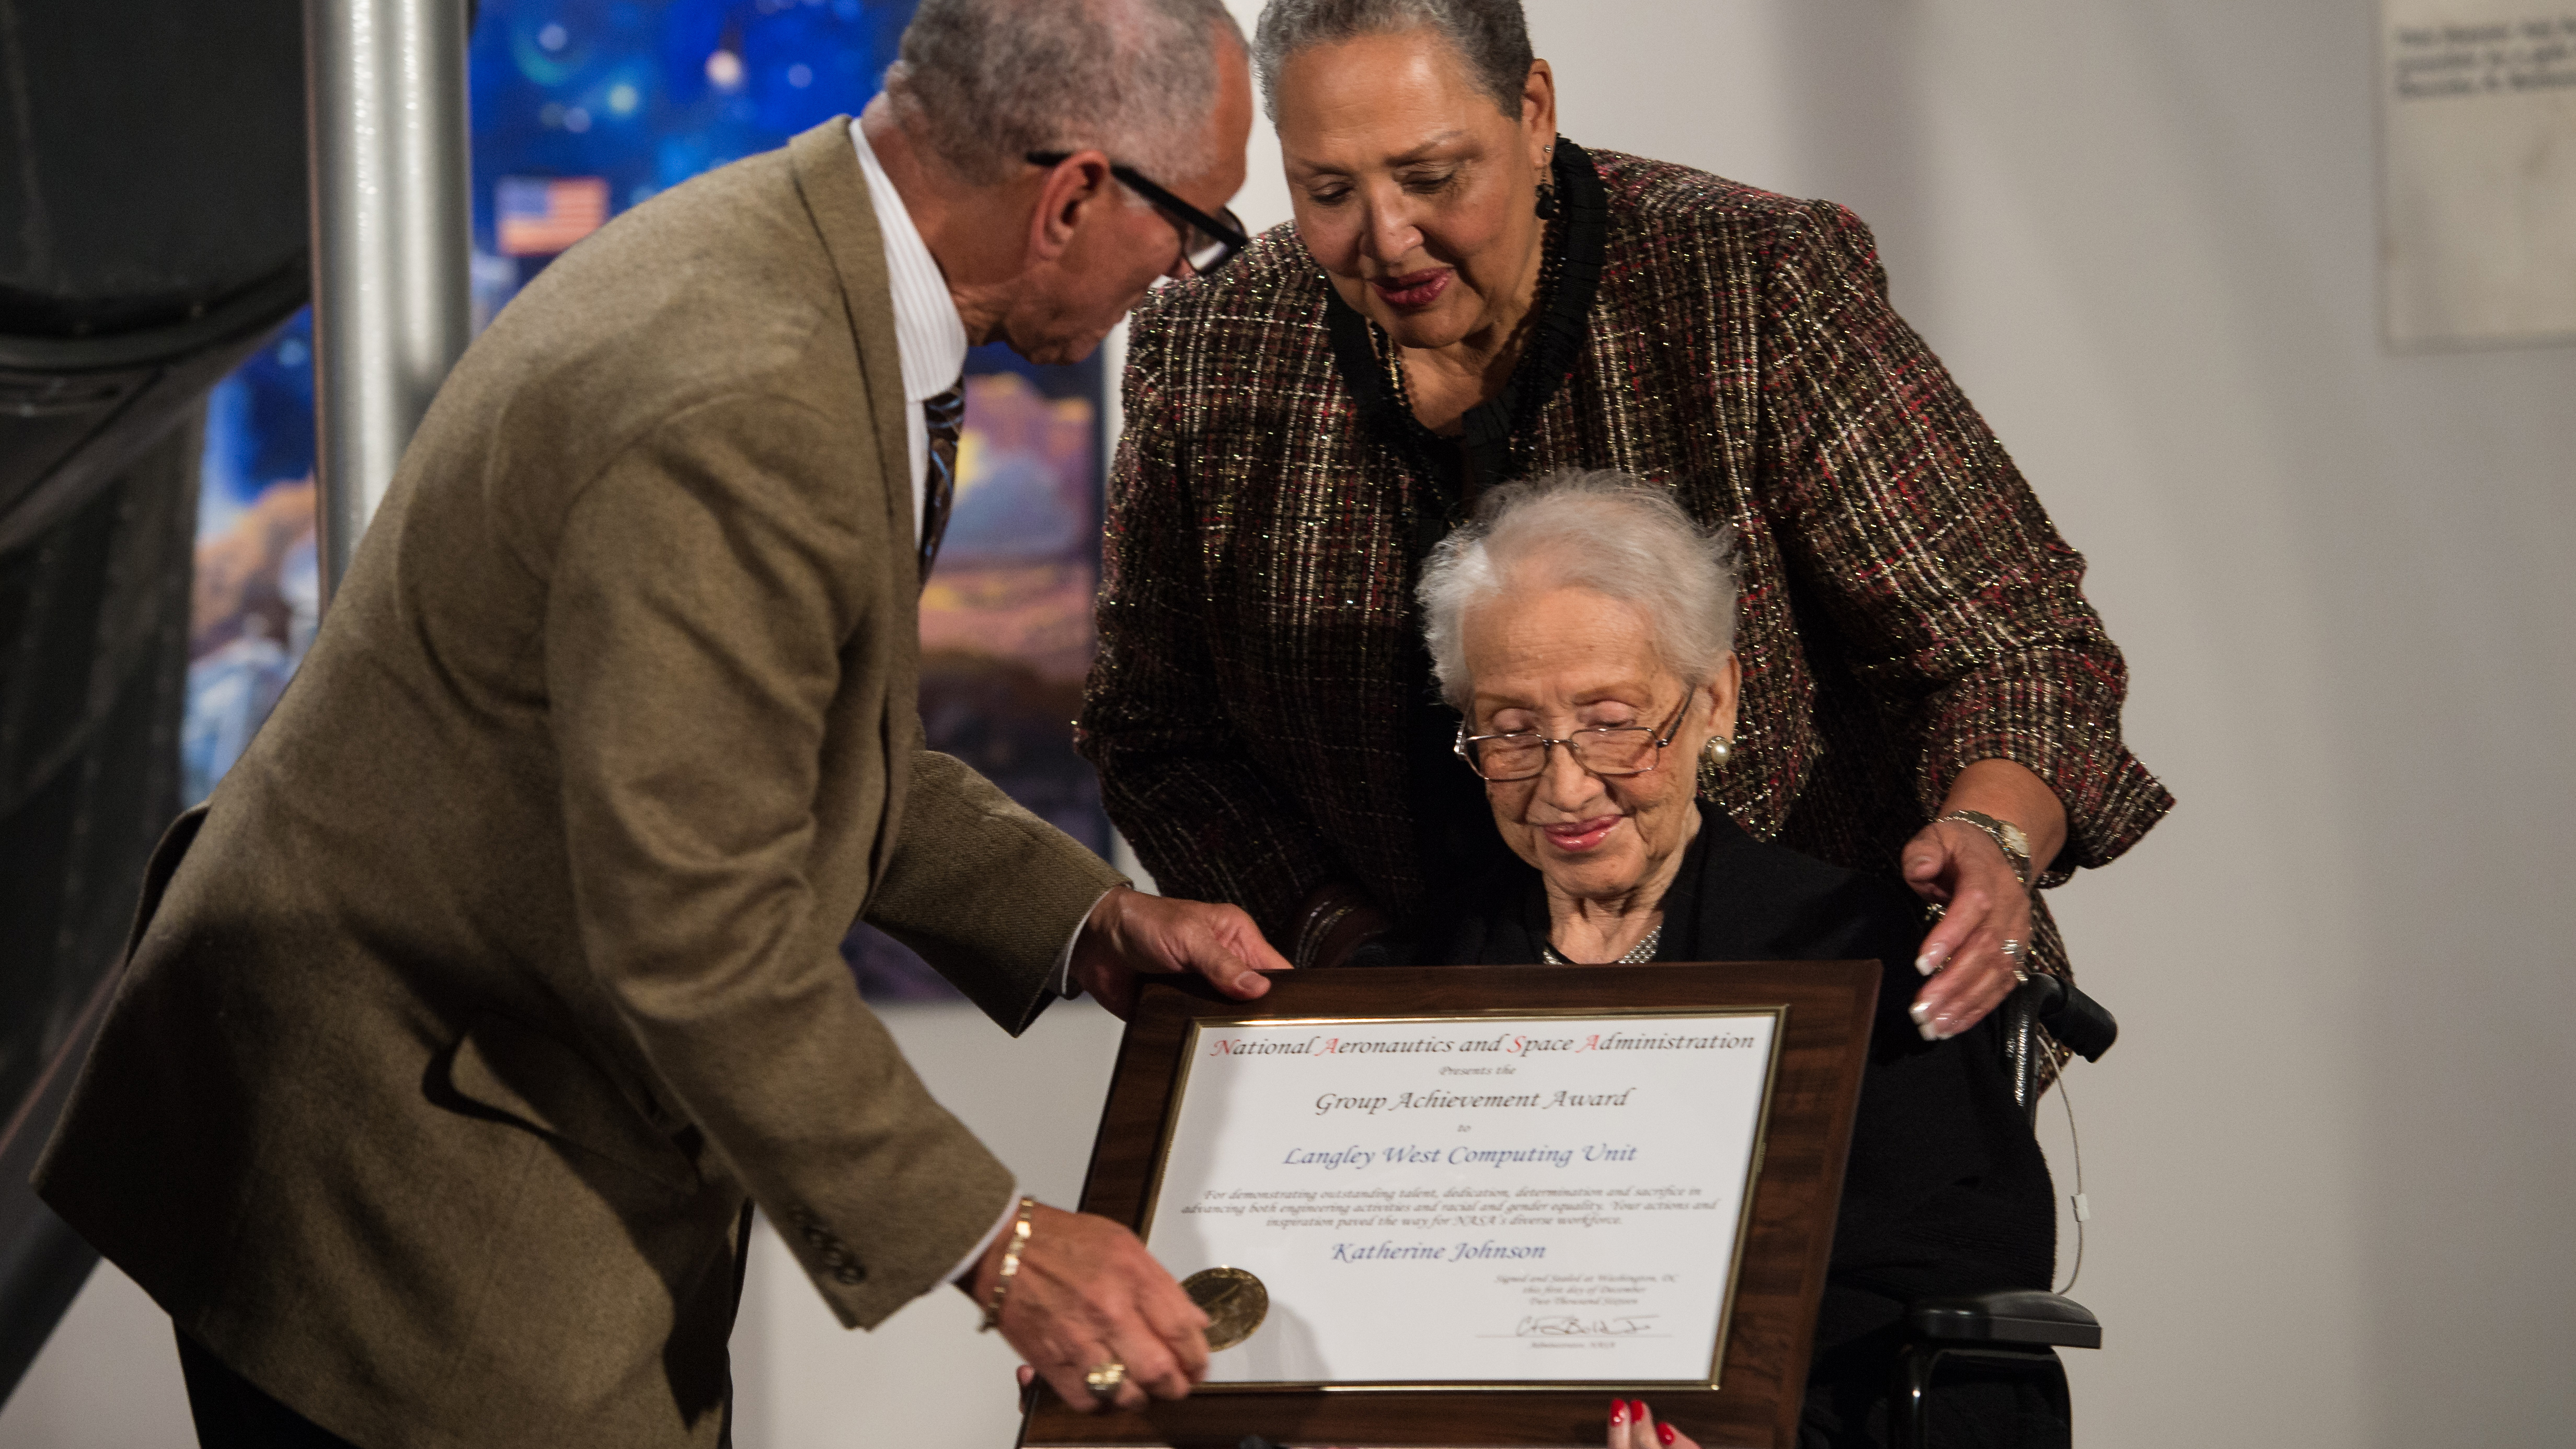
{"x": 836, "y": 195}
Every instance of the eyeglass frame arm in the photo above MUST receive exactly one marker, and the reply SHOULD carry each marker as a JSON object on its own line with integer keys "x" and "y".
{"x": 1232, "y": 238}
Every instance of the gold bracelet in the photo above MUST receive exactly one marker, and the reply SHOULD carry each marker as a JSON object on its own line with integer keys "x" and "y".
{"x": 1010, "y": 1265}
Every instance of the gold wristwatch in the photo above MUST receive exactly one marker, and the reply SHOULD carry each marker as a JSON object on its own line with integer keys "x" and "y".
{"x": 2012, "y": 838}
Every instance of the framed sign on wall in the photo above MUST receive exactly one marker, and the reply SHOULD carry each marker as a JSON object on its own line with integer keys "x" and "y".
{"x": 2478, "y": 172}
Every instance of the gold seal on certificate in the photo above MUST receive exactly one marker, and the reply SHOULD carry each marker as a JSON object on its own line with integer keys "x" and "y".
{"x": 1234, "y": 1301}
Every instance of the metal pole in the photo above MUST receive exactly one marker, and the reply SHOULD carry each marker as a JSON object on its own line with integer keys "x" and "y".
{"x": 392, "y": 235}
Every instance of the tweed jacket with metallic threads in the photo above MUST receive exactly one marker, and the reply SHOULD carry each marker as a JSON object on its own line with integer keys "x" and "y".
{"x": 1908, "y": 609}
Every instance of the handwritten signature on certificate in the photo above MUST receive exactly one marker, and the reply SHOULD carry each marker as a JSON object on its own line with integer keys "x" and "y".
{"x": 1569, "y": 1325}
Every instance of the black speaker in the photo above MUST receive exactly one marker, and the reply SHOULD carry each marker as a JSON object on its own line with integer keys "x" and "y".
{"x": 152, "y": 226}
{"x": 152, "y": 234}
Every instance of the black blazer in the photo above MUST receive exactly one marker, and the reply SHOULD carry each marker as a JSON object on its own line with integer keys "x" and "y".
{"x": 1946, "y": 1190}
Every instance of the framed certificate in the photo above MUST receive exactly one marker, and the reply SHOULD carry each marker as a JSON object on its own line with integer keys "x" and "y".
{"x": 1468, "y": 1205}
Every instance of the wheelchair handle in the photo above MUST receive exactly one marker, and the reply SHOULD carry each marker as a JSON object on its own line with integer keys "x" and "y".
{"x": 2079, "y": 1023}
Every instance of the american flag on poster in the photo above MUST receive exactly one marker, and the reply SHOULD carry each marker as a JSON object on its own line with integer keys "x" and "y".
{"x": 538, "y": 216}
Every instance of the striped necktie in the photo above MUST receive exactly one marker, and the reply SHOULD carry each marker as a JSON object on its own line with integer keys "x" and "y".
{"x": 945, "y": 414}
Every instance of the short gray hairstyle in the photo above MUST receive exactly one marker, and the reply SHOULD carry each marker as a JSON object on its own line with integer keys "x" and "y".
{"x": 1492, "y": 36}
{"x": 1608, "y": 532}
{"x": 985, "y": 82}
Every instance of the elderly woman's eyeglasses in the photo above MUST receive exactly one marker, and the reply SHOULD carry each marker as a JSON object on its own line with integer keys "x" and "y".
{"x": 1612, "y": 750}
{"x": 1207, "y": 242}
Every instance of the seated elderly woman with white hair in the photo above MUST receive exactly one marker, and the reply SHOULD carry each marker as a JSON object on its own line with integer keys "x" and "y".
{"x": 1583, "y": 626}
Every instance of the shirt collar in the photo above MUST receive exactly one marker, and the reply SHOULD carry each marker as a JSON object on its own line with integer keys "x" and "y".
{"x": 928, "y": 333}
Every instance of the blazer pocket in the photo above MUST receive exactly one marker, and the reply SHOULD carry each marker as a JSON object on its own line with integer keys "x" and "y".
{"x": 529, "y": 1076}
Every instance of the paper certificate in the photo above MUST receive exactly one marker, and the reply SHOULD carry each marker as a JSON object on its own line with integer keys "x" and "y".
{"x": 1538, "y": 1199}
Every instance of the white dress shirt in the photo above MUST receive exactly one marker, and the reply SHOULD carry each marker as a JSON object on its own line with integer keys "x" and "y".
{"x": 930, "y": 338}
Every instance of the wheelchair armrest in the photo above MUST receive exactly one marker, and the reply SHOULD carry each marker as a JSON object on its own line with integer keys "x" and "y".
{"x": 2021, "y": 1315}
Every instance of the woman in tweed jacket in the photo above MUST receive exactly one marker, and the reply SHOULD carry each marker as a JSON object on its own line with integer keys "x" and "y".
{"x": 1466, "y": 297}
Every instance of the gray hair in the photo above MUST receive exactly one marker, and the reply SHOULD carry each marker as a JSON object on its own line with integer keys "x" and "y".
{"x": 985, "y": 82}
{"x": 1492, "y": 36}
{"x": 1608, "y": 532}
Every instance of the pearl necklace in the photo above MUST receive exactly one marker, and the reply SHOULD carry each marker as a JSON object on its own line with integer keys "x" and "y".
{"x": 1638, "y": 955}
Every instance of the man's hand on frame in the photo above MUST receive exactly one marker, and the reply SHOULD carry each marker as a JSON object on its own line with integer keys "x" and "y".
{"x": 1088, "y": 1295}
{"x": 1130, "y": 933}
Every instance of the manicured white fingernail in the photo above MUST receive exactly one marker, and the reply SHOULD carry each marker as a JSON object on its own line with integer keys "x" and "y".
{"x": 1931, "y": 959}
{"x": 1925, "y": 1027}
{"x": 1921, "y": 1012}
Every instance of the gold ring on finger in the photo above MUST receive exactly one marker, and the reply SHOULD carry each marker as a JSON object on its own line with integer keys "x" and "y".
{"x": 1104, "y": 1380}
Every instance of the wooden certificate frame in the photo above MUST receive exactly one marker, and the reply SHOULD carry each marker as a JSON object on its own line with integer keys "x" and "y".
{"x": 1824, "y": 1009}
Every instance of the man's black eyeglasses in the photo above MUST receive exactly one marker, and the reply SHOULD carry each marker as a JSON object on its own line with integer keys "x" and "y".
{"x": 1207, "y": 242}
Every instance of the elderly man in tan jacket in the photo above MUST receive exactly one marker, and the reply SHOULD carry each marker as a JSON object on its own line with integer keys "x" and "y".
{"x": 500, "y": 976}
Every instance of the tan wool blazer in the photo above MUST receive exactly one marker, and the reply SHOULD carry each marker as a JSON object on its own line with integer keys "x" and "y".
{"x": 504, "y": 965}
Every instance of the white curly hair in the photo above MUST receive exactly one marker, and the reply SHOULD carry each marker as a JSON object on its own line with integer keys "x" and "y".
{"x": 1614, "y": 534}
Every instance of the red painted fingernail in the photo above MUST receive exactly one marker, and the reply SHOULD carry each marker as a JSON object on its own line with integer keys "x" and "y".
{"x": 1638, "y": 1408}
{"x": 1618, "y": 1412}
{"x": 1664, "y": 1432}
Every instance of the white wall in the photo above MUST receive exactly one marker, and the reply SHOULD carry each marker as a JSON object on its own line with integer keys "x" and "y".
{"x": 107, "y": 1379}
{"x": 2333, "y": 1160}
